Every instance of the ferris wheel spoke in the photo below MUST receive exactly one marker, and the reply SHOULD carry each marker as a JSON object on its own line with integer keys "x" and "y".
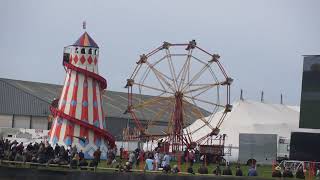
{"x": 203, "y": 88}
{"x": 196, "y": 111}
{"x": 159, "y": 114}
{"x": 185, "y": 69}
{"x": 161, "y": 77}
{"x": 152, "y": 88}
{"x": 197, "y": 75}
{"x": 148, "y": 70}
{"x": 172, "y": 70}
{"x": 151, "y": 101}
{"x": 203, "y": 101}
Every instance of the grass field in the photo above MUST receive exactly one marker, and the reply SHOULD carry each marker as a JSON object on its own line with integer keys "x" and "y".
{"x": 263, "y": 170}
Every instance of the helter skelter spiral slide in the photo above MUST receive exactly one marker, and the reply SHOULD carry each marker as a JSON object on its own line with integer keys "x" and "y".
{"x": 183, "y": 82}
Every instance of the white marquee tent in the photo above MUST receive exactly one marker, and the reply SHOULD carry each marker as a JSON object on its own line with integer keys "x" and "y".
{"x": 252, "y": 117}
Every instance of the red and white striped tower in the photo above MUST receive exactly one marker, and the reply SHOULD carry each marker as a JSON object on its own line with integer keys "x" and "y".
{"x": 79, "y": 117}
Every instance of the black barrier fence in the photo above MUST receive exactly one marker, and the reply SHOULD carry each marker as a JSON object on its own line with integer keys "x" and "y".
{"x": 15, "y": 173}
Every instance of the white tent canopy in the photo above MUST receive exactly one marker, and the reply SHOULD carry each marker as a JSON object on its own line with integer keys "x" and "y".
{"x": 252, "y": 117}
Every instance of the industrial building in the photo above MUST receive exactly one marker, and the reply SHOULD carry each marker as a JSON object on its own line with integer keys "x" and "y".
{"x": 25, "y": 104}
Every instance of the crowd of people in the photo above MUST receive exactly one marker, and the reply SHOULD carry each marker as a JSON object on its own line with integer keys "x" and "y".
{"x": 43, "y": 152}
{"x": 160, "y": 161}
{"x": 155, "y": 160}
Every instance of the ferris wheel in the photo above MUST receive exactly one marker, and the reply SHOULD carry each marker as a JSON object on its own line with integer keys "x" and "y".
{"x": 176, "y": 84}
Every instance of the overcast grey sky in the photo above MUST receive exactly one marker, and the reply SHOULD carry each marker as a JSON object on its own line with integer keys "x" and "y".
{"x": 260, "y": 41}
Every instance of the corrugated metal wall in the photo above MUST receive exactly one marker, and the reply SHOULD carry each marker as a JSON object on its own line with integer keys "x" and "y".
{"x": 13, "y": 101}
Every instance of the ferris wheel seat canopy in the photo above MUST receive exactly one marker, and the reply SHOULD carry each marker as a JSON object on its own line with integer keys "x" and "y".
{"x": 228, "y": 81}
{"x": 215, "y": 132}
{"x": 228, "y": 108}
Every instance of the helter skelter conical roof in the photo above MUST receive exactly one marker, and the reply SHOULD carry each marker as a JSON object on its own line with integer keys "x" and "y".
{"x": 86, "y": 41}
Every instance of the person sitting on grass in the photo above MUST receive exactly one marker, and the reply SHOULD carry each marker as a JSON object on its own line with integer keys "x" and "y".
{"x": 217, "y": 171}
{"x": 203, "y": 169}
{"x": 287, "y": 173}
{"x": 238, "y": 171}
{"x": 277, "y": 172}
{"x": 149, "y": 163}
{"x": 175, "y": 169}
{"x": 227, "y": 171}
{"x": 252, "y": 171}
{"x": 166, "y": 162}
{"x": 127, "y": 167}
{"x": 74, "y": 161}
{"x": 190, "y": 170}
{"x": 166, "y": 169}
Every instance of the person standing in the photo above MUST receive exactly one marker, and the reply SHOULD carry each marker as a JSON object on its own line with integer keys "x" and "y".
{"x": 166, "y": 160}
{"x": 191, "y": 158}
{"x": 157, "y": 160}
{"x": 132, "y": 159}
{"x": 96, "y": 156}
{"x": 121, "y": 152}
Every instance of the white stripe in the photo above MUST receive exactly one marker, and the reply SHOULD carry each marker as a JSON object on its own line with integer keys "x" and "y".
{"x": 70, "y": 91}
{"x": 79, "y": 96}
{"x": 64, "y": 88}
{"x": 62, "y": 131}
{"x": 91, "y": 138}
{"x": 76, "y": 131}
{"x": 53, "y": 128}
{"x": 67, "y": 107}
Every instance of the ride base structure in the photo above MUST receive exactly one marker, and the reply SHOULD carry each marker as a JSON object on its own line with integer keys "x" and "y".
{"x": 78, "y": 115}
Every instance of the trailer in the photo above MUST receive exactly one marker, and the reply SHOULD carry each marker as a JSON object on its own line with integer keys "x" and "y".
{"x": 257, "y": 148}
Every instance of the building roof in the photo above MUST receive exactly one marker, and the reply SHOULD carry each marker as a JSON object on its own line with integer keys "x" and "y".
{"x": 33, "y": 98}
{"x": 86, "y": 41}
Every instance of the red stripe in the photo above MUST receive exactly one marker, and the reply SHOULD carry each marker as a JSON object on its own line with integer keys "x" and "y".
{"x": 55, "y": 112}
{"x": 73, "y": 107}
{"x": 63, "y": 105}
{"x": 103, "y": 115}
{"x": 58, "y": 128}
{"x": 100, "y": 79}
{"x": 95, "y": 109}
{"x": 95, "y": 105}
{"x": 84, "y": 114}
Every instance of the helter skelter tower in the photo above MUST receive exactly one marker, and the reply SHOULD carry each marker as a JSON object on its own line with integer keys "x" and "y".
{"x": 79, "y": 117}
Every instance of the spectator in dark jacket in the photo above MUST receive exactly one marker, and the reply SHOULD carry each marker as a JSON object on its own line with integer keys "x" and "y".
{"x": 217, "y": 171}
{"x": 238, "y": 171}
{"x": 203, "y": 169}
{"x": 227, "y": 171}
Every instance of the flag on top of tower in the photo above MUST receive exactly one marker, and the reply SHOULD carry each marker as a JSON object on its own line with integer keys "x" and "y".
{"x": 85, "y": 41}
